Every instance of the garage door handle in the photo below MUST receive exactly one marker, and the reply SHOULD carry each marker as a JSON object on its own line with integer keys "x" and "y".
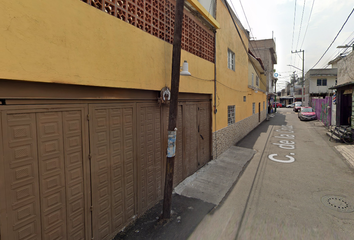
{"x": 201, "y": 136}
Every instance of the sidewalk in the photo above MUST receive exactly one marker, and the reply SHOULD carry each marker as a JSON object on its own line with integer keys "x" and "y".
{"x": 194, "y": 198}
{"x": 347, "y": 152}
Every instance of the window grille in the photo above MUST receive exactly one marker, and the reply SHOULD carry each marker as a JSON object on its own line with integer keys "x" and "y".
{"x": 231, "y": 114}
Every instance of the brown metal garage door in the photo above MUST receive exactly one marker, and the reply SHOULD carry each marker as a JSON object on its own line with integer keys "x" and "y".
{"x": 70, "y": 178}
{"x": 193, "y": 138}
{"x": 127, "y": 165}
{"x": 44, "y": 174}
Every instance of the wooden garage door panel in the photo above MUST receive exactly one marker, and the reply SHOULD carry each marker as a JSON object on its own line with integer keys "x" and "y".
{"x": 74, "y": 172}
{"x": 45, "y": 179}
{"x": 112, "y": 167}
{"x": 190, "y": 137}
{"x": 204, "y": 129}
{"x": 52, "y": 176}
{"x": 149, "y": 155}
{"x": 21, "y": 174}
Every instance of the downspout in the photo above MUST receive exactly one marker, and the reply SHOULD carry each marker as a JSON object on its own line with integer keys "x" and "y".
{"x": 215, "y": 110}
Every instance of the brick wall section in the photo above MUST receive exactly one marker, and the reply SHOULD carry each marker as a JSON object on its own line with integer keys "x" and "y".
{"x": 230, "y": 135}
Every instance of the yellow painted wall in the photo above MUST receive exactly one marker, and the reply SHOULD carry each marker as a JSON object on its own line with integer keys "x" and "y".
{"x": 262, "y": 77}
{"x": 69, "y": 41}
{"x": 232, "y": 85}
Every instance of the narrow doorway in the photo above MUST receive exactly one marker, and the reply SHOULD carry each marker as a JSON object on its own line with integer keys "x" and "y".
{"x": 259, "y": 112}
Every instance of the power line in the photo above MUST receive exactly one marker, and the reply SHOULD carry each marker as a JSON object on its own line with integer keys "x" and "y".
{"x": 343, "y": 52}
{"x": 308, "y": 23}
{"x": 334, "y": 38}
{"x": 302, "y": 16}
{"x": 244, "y": 13}
{"x": 292, "y": 41}
{"x": 239, "y": 34}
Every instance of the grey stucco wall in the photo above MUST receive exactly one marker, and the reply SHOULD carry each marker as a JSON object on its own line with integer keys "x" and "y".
{"x": 346, "y": 69}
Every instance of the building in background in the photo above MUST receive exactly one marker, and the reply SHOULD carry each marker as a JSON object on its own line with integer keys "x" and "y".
{"x": 266, "y": 50}
{"x": 318, "y": 83}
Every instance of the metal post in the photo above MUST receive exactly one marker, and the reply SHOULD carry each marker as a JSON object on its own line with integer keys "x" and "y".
{"x": 176, "y": 60}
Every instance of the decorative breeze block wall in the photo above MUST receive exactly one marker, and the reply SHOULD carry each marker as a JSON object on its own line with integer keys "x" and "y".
{"x": 157, "y": 18}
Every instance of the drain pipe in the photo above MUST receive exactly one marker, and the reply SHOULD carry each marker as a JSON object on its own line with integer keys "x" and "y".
{"x": 215, "y": 110}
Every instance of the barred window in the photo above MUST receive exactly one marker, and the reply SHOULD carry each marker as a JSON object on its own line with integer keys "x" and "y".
{"x": 253, "y": 108}
{"x": 231, "y": 114}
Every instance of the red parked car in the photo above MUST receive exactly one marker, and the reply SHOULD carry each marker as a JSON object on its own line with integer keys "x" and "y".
{"x": 279, "y": 105}
{"x": 306, "y": 113}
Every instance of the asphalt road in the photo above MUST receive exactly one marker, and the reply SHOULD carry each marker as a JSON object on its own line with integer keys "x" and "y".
{"x": 296, "y": 187}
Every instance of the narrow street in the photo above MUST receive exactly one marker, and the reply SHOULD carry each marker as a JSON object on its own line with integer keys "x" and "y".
{"x": 297, "y": 186}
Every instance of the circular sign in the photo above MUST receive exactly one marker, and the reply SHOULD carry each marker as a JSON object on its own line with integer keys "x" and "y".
{"x": 275, "y": 75}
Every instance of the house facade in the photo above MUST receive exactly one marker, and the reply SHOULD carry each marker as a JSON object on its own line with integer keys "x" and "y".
{"x": 83, "y": 122}
{"x": 344, "y": 91}
{"x": 318, "y": 82}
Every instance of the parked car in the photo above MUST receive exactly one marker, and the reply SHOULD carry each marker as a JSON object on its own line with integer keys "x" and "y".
{"x": 297, "y": 106}
{"x": 279, "y": 105}
{"x": 290, "y": 105}
{"x": 306, "y": 113}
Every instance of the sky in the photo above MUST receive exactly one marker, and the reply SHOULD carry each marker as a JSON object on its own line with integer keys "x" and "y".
{"x": 287, "y": 24}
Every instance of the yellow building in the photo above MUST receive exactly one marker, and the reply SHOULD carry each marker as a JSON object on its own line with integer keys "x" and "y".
{"x": 239, "y": 106}
{"x": 83, "y": 122}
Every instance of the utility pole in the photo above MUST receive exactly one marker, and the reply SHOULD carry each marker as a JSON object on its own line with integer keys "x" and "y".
{"x": 293, "y": 79}
{"x": 303, "y": 77}
{"x": 172, "y": 131}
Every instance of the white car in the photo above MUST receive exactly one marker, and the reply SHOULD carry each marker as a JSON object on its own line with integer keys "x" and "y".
{"x": 290, "y": 105}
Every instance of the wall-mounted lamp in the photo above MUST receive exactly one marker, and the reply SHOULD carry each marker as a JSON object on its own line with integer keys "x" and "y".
{"x": 256, "y": 91}
{"x": 184, "y": 69}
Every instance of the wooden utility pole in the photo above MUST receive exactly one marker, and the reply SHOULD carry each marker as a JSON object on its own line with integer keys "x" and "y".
{"x": 176, "y": 60}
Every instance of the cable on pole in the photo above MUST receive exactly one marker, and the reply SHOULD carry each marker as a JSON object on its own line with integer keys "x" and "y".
{"x": 334, "y": 38}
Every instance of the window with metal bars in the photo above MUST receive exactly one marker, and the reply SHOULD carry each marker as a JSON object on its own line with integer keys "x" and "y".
{"x": 231, "y": 114}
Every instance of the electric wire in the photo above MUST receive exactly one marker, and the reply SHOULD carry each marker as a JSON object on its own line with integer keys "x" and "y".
{"x": 341, "y": 53}
{"x": 244, "y": 13}
{"x": 336, "y": 54}
{"x": 292, "y": 41}
{"x": 302, "y": 17}
{"x": 335, "y": 38}
{"x": 308, "y": 23}
{"x": 238, "y": 31}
